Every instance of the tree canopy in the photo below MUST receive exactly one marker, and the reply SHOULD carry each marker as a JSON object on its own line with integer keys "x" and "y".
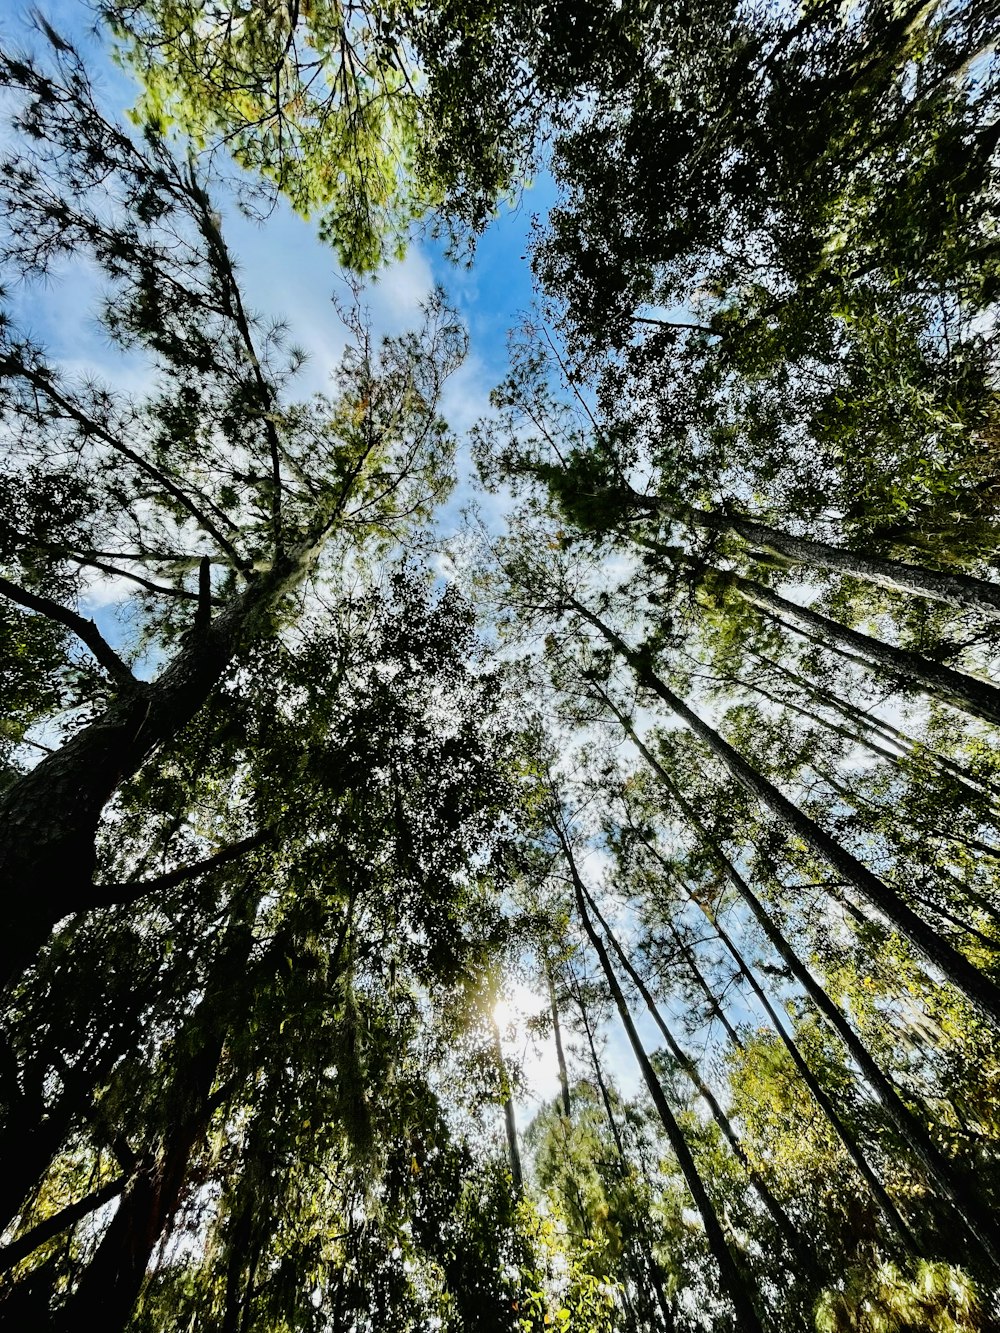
{"x": 688, "y": 737}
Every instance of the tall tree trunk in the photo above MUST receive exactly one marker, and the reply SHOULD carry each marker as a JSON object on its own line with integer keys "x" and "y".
{"x": 869, "y": 724}
{"x": 557, "y": 1036}
{"x": 714, "y": 1003}
{"x": 969, "y": 980}
{"x": 952, "y": 1182}
{"x": 796, "y": 1247}
{"x": 733, "y": 1281}
{"x": 853, "y": 1149}
{"x": 109, "y": 1286}
{"x": 657, "y": 1277}
{"x": 961, "y": 591}
{"x": 509, "y": 1116}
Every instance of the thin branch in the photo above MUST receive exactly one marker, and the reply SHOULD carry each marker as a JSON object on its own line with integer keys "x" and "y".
{"x": 158, "y": 588}
{"x": 44, "y": 381}
{"x": 85, "y": 630}
{"x": 108, "y": 895}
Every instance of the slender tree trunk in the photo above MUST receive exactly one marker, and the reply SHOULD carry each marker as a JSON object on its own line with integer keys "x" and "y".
{"x": 557, "y": 1035}
{"x": 780, "y": 1218}
{"x": 657, "y": 1277}
{"x": 961, "y": 591}
{"x": 906, "y": 746}
{"x": 734, "y": 1283}
{"x": 953, "y": 1184}
{"x": 715, "y": 1005}
{"x": 957, "y": 688}
{"x": 924, "y": 831}
{"x": 973, "y": 984}
{"x": 509, "y": 1116}
{"x": 853, "y": 1149}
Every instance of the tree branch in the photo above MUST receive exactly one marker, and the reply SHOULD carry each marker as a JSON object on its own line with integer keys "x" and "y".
{"x": 117, "y": 895}
{"x": 20, "y": 1248}
{"x": 43, "y": 381}
{"x": 85, "y": 630}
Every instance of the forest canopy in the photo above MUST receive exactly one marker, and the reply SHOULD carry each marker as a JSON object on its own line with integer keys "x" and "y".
{"x": 659, "y": 706}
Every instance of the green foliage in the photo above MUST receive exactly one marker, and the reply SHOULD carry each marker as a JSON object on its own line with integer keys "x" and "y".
{"x": 369, "y": 116}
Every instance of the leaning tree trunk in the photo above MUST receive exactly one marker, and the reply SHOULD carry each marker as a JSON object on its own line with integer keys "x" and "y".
{"x": 983, "y": 993}
{"x": 734, "y": 1282}
{"x": 715, "y": 1006}
{"x": 957, "y": 688}
{"x": 953, "y": 1183}
{"x": 961, "y": 591}
{"x": 905, "y": 746}
{"x": 557, "y": 1036}
{"x": 806, "y": 1259}
{"x": 49, "y": 817}
{"x": 657, "y": 1277}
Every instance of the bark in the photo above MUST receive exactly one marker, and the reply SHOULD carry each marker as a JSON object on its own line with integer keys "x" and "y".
{"x": 962, "y": 691}
{"x": 109, "y": 1286}
{"x": 733, "y": 1281}
{"x": 509, "y": 1117}
{"x": 851, "y": 1146}
{"x": 805, "y": 1257}
{"x": 953, "y": 1183}
{"x": 49, "y": 817}
{"x": 983, "y": 993}
{"x": 961, "y": 591}
{"x": 657, "y": 1277}
{"x": 557, "y": 1035}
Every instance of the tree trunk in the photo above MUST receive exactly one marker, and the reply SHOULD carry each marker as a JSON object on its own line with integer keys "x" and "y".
{"x": 973, "y": 984}
{"x": 853, "y": 1149}
{"x": 957, "y": 688}
{"x": 657, "y": 1277}
{"x": 781, "y": 1220}
{"x": 733, "y": 1281}
{"x": 557, "y": 1035}
{"x": 961, "y": 591}
{"x": 715, "y": 1006}
{"x": 109, "y": 1286}
{"x": 906, "y": 746}
{"x": 49, "y": 817}
{"x": 509, "y": 1117}
{"x": 951, "y": 1181}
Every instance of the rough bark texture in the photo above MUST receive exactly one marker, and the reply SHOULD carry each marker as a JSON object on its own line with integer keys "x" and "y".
{"x": 49, "y": 817}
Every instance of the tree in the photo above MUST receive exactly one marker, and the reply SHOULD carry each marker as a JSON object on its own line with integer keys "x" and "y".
{"x": 221, "y": 494}
{"x": 371, "y": 116}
